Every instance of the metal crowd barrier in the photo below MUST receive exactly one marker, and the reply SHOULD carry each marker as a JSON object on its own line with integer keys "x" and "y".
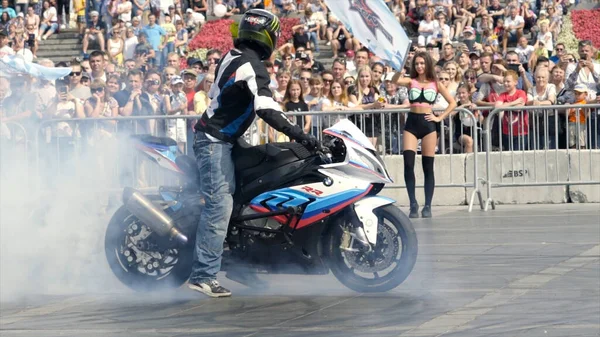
{"x": 534, "y": 142}
{"x": 14, "y": 151}
{"x": 70, "y": 147}
{"x": 385, "y": 128}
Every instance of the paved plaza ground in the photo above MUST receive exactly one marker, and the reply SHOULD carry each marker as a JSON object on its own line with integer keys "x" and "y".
{"x": 528, "y": 270}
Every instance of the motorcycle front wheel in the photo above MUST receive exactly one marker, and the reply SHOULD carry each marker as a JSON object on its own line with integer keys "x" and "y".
{"x": 138, "y": 261}
{"x": 384, "y": 267}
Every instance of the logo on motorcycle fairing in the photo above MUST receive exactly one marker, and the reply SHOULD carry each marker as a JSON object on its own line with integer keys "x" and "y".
{"x": 255, "y": 20}
{"x": 312, "y": 190}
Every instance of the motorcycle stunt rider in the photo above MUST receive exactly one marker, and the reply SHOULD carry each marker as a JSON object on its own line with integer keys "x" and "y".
{"x": 240, "y": 91}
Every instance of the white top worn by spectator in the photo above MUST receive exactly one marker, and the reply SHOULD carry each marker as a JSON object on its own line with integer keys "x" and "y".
{"x": 510, "y": 23}
{"x": 125, "y": 7}
{"x": 129, "y": 48}
{"x": 524, "y": 53}
{"x": 546, "y": 39}
{"x": 590, "y": 79}
{"x": 51, "y": 13}
{"x": 193, "y": 18}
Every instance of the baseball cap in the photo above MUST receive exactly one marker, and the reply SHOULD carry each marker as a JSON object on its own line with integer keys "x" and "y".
{"x": 176, "y": 80}
{"x": 581, "y": 88}
{"x": 350, "y": 54}
{"x": 302, "y": 56}
{"x": 189, "y": 10}
{"x": 191, "y": 61}
{"x": 469, "y": 29}
{"x": 20, "y": 14}
{"x": 189, "y": 72}
{"x": 474, "y": 53}
{"x": 86, "y": 75}
{"x": 94, "y": 13}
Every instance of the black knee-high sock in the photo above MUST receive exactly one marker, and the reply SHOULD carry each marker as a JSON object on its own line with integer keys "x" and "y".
{"x": 409, "y": 174}
{"x": 429, "y": 179}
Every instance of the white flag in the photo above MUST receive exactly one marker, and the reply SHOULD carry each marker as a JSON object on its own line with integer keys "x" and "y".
{"x": 375, "y": 26}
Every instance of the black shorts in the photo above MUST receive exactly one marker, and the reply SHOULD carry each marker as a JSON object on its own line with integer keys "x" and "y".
{"x": 419, "y": 126}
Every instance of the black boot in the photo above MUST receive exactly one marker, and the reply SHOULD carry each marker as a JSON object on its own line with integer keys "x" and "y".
{"x": 414, "y": 210}
{"x": 426, "y": 212}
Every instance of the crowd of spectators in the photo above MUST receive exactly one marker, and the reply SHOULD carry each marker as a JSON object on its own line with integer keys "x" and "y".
{"x": 134, "y": 63}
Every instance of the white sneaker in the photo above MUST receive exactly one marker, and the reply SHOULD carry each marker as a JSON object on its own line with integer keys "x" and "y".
{"x": 63, "y": 26}
{"x": 210, "y": 288}
{"x": 328, "y": 43}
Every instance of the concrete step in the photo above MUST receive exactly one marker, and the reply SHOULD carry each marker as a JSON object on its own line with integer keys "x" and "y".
{"x": 66, "y": 46}
{"x": 61, "y": 41}
{"x": 69, "y": 34}
{"x": 52, "y": 54}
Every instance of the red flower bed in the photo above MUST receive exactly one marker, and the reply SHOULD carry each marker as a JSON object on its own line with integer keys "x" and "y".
{"x": 586, "y": 25}
{"x": 216, "y": 35}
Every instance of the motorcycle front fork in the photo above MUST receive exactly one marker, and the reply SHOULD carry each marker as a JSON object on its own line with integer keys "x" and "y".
{"x": 355, "y": 233}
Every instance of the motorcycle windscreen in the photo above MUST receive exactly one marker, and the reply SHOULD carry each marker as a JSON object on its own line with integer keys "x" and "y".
{"x": 346, "y": 130}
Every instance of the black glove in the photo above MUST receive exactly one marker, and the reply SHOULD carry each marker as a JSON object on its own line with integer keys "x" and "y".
{"x": 309, "y": 141}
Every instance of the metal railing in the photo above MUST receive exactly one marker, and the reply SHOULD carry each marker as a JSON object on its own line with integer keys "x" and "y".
{"x": 71, "y": 146}
{"x": 541, "y": 138}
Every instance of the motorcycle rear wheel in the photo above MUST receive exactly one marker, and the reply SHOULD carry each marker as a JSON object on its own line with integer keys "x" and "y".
{"x": 395, "y": 234}
{"x": 117, "y": 247}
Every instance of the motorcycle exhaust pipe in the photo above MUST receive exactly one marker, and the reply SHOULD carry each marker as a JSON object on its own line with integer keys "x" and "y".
{"x": 151, "y": 215}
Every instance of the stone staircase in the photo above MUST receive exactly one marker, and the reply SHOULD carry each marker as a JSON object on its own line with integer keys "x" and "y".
{"x": 63, "y": 46}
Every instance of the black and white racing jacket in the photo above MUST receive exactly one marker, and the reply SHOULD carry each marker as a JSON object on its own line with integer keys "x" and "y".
{"x": 241, "y": 91}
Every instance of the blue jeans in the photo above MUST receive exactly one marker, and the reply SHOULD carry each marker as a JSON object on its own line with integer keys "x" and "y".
{"x": 217, "y": 185}
{"x": 312, "y": 36}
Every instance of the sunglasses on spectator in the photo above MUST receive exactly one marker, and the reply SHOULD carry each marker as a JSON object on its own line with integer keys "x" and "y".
{"x": 471, "y": 78}
{"x": 305, "y": 78}
{"x": 560, "y": 49}
{"x": 348, "y": 83}
{"x": 75, "y": 73}
{"x": 327, "y": 81}
{"x": 571, "y": 60}
{"x": 95, "y": 90}
{"x": 153, "y": 82}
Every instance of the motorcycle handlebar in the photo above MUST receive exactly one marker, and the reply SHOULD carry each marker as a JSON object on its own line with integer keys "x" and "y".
{"x": 322, "y": 151}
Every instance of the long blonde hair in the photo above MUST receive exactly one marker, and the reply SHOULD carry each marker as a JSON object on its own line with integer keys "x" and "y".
{"x": 359, "y": 88}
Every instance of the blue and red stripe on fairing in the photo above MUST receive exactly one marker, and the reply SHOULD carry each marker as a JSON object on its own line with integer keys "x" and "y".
{"x": 314, "y": 210}
{"x": 168, "y": 155}
{"x": 333, "y": 203}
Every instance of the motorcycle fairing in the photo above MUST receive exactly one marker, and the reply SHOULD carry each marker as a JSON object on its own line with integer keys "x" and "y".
{"x": 163, "y": 155}
{"x": 360, "y": 160}
{"x": 320, "y": 201}
{"x": 365, "y": 208}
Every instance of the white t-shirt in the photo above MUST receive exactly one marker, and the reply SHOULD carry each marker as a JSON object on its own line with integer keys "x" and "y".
{"x": 510, "y": 22}
{"x": 524, "y": 53}
{"x": 428, "y": 26}
{"x": 126, "y": 16}
{"x": 51, "y": 13}
{"x": 129, "y": 48}
{"x": 547, "y": 40}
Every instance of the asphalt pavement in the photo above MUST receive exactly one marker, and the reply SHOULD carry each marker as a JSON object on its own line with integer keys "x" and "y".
{"x": 529, "y": 270}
